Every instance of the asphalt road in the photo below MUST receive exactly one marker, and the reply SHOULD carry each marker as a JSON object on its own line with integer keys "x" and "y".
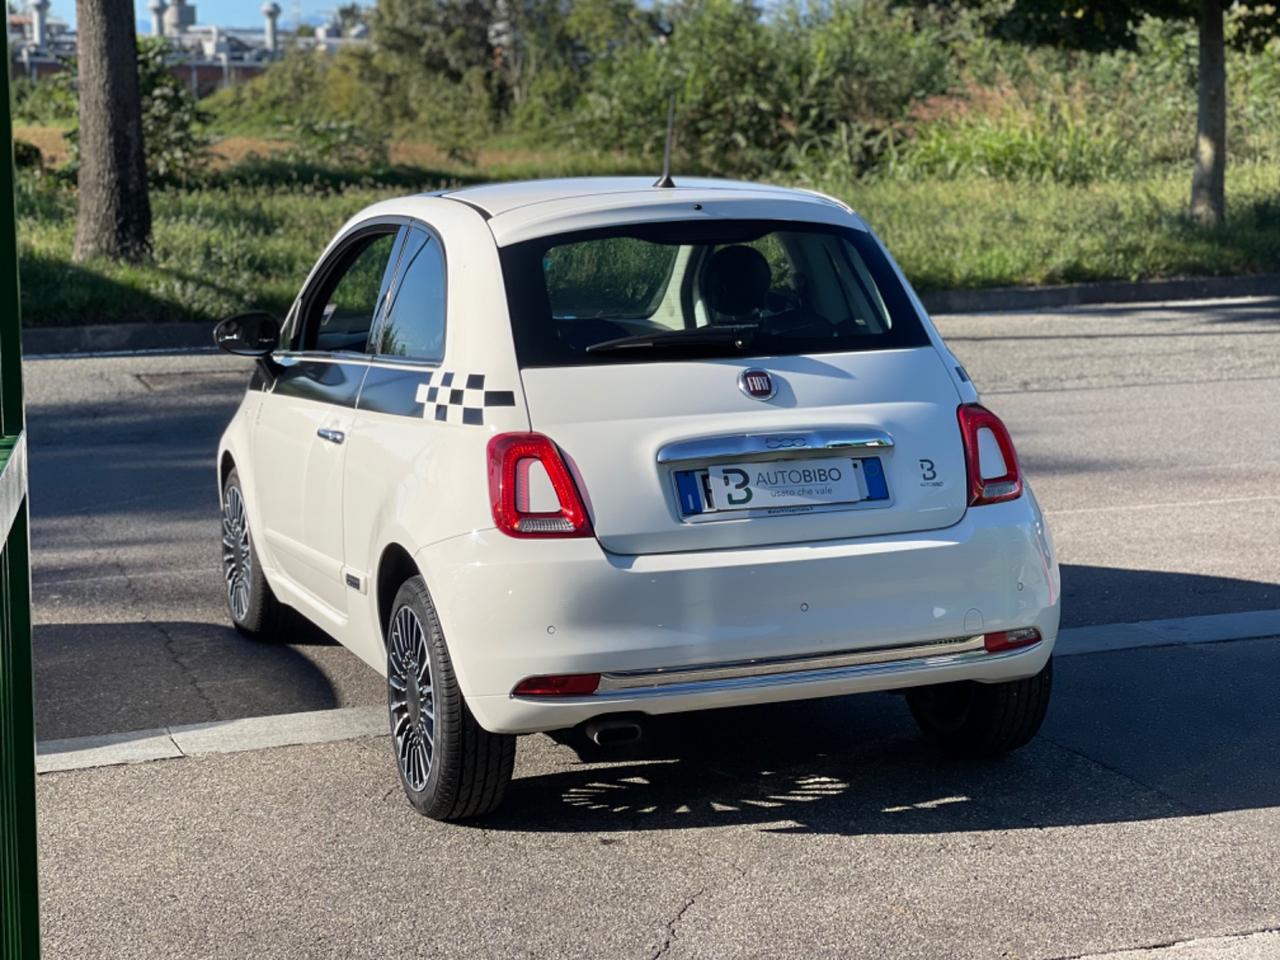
{"x": 1149, "y": 433}
{"x": 1147, "y": 813}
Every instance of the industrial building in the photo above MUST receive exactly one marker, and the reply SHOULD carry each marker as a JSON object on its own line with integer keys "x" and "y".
{"x": 204, "y": 56}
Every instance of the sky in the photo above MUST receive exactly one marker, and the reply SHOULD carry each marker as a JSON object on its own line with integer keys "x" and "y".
{"x": 225, "y": 13}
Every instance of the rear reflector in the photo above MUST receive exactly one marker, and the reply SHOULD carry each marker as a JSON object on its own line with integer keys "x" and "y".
{"x": 1010, "y": 639}
{"x": 531, "y": 490}
{"x": 561, "y": 685}
{"x": 991, "y": 461}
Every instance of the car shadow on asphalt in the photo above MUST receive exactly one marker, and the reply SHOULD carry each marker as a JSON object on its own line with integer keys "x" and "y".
{"x": 96, "y": 678}
{"x": 1094, "y": 595}
{"x": 1132, "y": 735}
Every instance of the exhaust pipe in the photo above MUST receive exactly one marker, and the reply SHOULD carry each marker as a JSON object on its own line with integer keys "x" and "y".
{"x": 613, "y": 733}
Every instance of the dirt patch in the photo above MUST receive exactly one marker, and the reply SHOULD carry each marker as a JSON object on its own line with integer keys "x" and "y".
{"x": 50, "y": 141}
{"x": 229, "y": 151}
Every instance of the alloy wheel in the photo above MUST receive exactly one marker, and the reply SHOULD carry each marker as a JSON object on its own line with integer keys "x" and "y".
{"x": 410, "y": 697}
{"x": 237, "y": 556}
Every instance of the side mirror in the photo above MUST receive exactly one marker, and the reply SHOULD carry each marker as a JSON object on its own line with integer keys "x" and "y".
{"x": 253, "y": 334}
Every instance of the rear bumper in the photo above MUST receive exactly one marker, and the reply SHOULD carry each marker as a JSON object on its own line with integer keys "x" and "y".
{"x": 513, "y": 609}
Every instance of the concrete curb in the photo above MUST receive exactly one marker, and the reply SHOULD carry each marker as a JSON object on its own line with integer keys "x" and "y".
{"x": 352, "y": 723}
{"x": 1214, "y": 628}
{"x": 182, "y": 337}
{"x": 224, "y": 736}
{"x": 1079, "y": 294}
{"x": 1263, "y": 945}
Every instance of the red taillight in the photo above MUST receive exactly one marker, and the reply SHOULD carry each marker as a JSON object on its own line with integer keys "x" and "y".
{"x": 1010, "y": 639}
{"x": 989, "y": 457}
{"x": 563, "y": 685}
{"x": 511, "y": 456}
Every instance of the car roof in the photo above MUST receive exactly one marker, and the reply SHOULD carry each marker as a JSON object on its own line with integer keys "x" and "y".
{"x": 495, "y": 199}
{"x": 521, "y": 210}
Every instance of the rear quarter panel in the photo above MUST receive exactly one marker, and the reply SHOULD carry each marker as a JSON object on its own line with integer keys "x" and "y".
{"x": 413, "y": 480}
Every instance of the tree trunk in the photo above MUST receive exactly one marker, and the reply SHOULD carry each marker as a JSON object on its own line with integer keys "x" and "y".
{"x": 1208, "y": 199}
{"x": 115, "y": 212}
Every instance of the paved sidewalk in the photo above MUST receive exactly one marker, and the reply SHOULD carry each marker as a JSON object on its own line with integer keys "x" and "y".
{"x": 1148, "y": 814}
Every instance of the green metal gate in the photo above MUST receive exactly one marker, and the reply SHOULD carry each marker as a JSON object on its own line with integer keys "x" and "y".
{"x": 19, "y": 906}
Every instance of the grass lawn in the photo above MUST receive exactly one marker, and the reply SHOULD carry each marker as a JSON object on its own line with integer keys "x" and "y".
{"x": 959, "y": 234}
{"x": 249, "y": 238}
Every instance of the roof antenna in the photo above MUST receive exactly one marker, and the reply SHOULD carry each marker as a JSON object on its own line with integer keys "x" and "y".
{"x": 665, "y": 180}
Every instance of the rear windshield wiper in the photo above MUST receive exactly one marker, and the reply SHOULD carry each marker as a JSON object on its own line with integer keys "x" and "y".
{"x": 738, "y": 334}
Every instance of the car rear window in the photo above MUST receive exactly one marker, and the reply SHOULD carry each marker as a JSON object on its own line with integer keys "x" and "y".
{"x": 656, "y": 292}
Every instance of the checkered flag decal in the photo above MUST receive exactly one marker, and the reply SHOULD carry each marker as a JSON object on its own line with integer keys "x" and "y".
{"x": 450, "y": 397}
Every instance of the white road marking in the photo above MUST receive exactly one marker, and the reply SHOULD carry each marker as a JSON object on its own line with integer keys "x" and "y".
{"x": 351, "y": 723}
{"x": 1168, "y": 505}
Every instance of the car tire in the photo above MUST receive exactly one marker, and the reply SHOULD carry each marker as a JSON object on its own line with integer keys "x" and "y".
{"x": 982, "y": 719}
{"x": 254, "y": 609}
{"x": 451, "y": 768}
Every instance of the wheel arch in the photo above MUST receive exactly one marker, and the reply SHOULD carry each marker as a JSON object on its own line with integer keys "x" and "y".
{"x": 395, "y": 566}
{"x": 226, "y": 464}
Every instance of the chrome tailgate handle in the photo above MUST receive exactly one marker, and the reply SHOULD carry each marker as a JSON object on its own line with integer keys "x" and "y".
{"x": 740, "y": 446}
{"x": 333, "y": 436}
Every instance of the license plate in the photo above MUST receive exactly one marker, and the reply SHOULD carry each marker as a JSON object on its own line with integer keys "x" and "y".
{"x": 788, "y": 486}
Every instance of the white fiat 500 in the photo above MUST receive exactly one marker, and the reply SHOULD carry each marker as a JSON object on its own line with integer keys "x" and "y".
{"x": 582, "y": 451}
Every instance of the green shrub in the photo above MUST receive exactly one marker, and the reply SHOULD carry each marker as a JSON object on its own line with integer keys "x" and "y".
{"x": 47, "y": 102}
{"x": 172, "y": 122}
{"x": 856, "y": 71}
{"x": 286, "y": 92}
{"x": 810, "y": 90}
{"x": 1059, "y": 149}
{"x": 817, "y": 89}
{"x": 26, "y": 156}
{"x": 336, "y": 144}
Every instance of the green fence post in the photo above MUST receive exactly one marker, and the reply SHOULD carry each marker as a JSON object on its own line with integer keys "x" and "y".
{"x": 19, "y": 902}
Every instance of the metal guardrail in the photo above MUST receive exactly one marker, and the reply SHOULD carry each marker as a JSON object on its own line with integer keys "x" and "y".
{"x": 19, "y": 900}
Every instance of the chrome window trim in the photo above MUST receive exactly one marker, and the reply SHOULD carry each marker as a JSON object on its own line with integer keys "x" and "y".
{"x": 287, "y": 358}
{"x": 406, "y": 363}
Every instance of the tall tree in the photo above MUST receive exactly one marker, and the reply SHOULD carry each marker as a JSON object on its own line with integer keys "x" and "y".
{"x": 1208, "y": 193}
{"x": 446, "y": 37}
{"x": 115, "y": 211}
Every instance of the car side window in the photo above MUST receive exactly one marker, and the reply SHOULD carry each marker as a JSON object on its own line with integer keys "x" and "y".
{"x": 344, "y": 311}
{"x": 414, "y": 327}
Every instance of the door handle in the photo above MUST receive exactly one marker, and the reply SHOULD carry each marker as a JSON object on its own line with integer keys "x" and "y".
{"x": 333, "y": 436}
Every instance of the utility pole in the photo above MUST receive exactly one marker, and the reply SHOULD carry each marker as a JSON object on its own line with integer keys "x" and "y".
{"x": 19, "y": 902}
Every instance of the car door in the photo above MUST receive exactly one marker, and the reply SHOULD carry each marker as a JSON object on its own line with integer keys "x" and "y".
{"x": 300, "y": 437}
{"x": 393, "y": 443}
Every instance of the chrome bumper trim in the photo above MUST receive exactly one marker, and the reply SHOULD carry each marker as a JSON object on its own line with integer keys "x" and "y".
{"x": 780, "y": 445}
{"x": 801, "y": 668}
